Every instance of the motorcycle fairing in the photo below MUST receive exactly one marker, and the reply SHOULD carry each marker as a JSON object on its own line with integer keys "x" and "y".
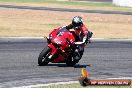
{"x": 60, "y": 39}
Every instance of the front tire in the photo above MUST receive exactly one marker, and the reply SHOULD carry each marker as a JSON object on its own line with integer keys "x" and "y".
{"x": 43, "y": 56}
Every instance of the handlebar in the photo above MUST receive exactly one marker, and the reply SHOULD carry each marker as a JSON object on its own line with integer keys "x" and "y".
{"x": 79, "y": 43}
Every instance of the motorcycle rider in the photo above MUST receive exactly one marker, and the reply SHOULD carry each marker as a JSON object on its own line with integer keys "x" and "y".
{"x": 80, "y": 32}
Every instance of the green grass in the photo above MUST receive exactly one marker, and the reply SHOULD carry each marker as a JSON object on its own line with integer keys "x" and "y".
{"x": 102, "y": 4}
{"x": 61, "y": 2}
{"x": 97, "y": 4}
{"x": 79, "y": 86}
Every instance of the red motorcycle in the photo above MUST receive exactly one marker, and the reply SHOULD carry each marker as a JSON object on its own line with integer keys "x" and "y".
{"x": 61, "y": 48}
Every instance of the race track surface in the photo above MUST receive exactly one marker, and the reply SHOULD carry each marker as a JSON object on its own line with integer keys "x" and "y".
{"x": 102, "y": 59}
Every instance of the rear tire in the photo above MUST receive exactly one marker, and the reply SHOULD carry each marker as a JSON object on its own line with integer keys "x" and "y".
{"x": 71, "y": 62}
{"x": 43, "y": 56}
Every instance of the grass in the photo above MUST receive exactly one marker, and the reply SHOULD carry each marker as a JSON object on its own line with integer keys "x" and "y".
{"x": 87, "y": 5}
{"x": 76, "y": 85}
{"x": 38, "y": 23}
{"x": 60, "y": 2}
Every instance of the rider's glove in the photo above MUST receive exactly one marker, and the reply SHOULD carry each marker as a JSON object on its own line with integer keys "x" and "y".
{"x": 90, "y": 34}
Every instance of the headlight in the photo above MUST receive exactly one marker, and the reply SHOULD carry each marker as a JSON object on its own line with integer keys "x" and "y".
{"x": 50, "y": 36}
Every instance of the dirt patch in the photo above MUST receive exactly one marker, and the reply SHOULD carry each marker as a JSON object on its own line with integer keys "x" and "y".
{"x": 20, "y": 22}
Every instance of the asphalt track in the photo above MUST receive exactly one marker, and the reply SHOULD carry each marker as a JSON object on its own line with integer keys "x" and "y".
{"x": 102, "y": 59}
{"x": 64, "y": 9}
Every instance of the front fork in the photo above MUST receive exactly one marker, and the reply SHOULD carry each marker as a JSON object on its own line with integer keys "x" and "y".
{"x": 53, "y": 50}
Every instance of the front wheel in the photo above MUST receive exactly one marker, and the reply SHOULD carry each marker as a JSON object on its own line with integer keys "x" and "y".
{"x": 43, "y": 57}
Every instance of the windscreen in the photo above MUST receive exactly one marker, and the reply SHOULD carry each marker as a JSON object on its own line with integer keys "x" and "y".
{"x": 63, "y": 29}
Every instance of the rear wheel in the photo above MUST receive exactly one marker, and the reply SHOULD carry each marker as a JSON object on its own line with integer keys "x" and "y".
{"x": 43, "y": 57}
{"x": 71, "y": 61}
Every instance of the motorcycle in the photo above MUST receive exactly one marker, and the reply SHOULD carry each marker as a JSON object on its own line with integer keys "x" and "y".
{"x": 61, "y": 48}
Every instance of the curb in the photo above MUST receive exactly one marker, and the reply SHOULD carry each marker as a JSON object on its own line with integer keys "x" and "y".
{"x": 49, "y": 84}
{"x": 59, "y": 83}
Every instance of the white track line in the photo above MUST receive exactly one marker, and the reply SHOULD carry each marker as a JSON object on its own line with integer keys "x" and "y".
{"x": 22, "y": 37}
{"x": 39, "y": 85}
{"x": 38, "y": 37}
{"x": 109, "y": 39}
{"x": 43, "y": 38}
{"x": 58, "y": 83}
{"x": 122, "y": 78}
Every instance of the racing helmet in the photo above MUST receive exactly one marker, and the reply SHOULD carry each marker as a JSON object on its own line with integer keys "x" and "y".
{"x": 77, "y": 22}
